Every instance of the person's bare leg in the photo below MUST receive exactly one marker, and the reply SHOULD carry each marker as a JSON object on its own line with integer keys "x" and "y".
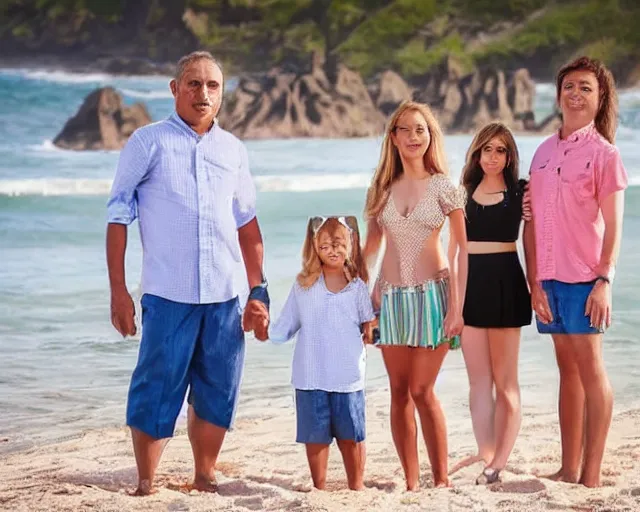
{"x": 404, "y": 429}
{"x": 505, "y": 347}
{"x": 477, "y": 359}
{"x": 354, "y": 457}
{"x": 599, "y": 403}
{"x": 425, "y": 365}
{"x": 206, "y": 441}
{"x": 148, "y": 451}
{"x": 318, "y": 457}
{"x": 571, "y": 411}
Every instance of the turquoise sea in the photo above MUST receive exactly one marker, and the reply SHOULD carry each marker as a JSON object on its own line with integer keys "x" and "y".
{"x": 64, "y": 369}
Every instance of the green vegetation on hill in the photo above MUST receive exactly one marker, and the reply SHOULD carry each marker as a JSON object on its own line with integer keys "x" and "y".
{"x": 410, "y": 36}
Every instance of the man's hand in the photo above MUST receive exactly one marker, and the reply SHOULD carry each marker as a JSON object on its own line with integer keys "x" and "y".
{"x": 123, "y": 312}
{"x": 540, "y": 304}
{"x": 598, "y": 307}
{"x": 256, "y": 319}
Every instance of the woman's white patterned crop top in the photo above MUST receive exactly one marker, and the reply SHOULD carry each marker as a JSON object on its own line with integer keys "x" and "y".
{"x": 409, "y": 233}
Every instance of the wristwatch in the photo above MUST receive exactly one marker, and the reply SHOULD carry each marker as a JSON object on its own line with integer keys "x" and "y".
{"x": 260, "y": 292}
{"x": 607, "y": 278}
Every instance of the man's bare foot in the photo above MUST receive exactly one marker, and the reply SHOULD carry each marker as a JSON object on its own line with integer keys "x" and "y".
{"x": 200, "y": 484}
{"x": 205, "y": 483}
{"x": 562, "y": 476}
{"x": 357, "y": 487}
{"x": 145, "y": 488}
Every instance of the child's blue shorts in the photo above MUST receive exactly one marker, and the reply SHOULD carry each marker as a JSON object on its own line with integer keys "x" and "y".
{"x": 195, "y": 346}
{"x": 568, "y": 302}
{"x": 324, "y": 415}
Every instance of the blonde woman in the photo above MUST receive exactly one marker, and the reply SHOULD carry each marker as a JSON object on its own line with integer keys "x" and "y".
{"x": 419, "y": 294}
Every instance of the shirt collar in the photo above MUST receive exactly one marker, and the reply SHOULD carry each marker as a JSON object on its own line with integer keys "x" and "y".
{"x": 179, "y": 122}
{"x": 579, "y": 136}
{"x": 329, "y": 292}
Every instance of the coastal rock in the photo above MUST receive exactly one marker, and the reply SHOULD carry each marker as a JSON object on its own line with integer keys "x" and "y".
{"x": 389, "y": 91}
{"x": 464, "y": 102}
{"x": 306, "y": 104}
{"x": 102, "y": 122}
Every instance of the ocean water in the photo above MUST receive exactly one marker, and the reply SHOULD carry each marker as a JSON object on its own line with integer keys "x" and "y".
{"x": 64, "y": 369}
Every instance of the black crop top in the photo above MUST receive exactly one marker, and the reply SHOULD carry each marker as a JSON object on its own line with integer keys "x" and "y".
{"x": 497, "y": 222}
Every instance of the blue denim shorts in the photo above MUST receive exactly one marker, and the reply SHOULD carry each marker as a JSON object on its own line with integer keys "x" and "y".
{"x": 195, "y": 346}
{"x": 568, "y": 302}
{"x": 324, "y": 415}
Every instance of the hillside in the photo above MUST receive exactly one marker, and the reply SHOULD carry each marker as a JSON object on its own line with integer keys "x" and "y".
{"x": 408, "y": 36}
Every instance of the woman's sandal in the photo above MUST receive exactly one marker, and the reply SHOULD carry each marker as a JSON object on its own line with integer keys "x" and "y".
{"x": 488, "y": 476}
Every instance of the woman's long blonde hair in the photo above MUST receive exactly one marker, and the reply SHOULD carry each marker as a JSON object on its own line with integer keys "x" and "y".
{"x": 312, "y": 266}
{"x": 390, "y": 165}
{"x": 606, "y": 120}
{"x": 472, "y": 173}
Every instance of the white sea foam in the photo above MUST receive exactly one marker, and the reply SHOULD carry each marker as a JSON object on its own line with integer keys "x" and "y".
{"x": 147, "y": 95}
{"x": 101, "y": 187}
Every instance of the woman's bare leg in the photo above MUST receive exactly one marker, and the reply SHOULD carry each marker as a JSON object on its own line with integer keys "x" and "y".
{"x": 477, "y": 359}
{"x": 404, "y": 430}
{"x": 425, "y": 365}
{"x": 505, "y": 347}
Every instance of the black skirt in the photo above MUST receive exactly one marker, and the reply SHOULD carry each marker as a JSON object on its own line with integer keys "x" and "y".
{"x": 497, "y": 292}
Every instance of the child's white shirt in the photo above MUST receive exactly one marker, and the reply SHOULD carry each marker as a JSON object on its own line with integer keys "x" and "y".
{"x": 329, "y": 353}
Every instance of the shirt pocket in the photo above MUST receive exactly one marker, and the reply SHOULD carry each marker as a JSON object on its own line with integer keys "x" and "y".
{"x": 222, "y": 177}
{"x": 577, "y": 176}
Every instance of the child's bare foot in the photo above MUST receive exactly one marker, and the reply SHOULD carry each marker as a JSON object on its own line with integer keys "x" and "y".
{"x": 562, "y": 476}
{"x": 145, "y": 488}
{"x": 589, "y": 482}
{"x": 357, "y": 487}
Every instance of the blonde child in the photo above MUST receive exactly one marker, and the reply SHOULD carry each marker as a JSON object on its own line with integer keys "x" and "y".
{"x": 329, "y": 308}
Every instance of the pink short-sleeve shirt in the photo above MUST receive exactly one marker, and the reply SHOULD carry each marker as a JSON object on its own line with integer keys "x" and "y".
{"x": 568, "y": 180}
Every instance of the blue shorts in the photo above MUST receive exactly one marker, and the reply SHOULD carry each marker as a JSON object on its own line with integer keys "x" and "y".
{"x": 323, "y": 415}
{"x": 568, "y": 302}
{"x": 195, "y": 346}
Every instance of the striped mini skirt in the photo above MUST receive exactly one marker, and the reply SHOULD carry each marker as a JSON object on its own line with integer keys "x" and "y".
{"x": 413, "y": 316}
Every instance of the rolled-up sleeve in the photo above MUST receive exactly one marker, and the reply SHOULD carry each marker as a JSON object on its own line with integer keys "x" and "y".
{"x": 244, "y": 199}
{"x": 288, "y": 323}
{"x": 133, "y": 165}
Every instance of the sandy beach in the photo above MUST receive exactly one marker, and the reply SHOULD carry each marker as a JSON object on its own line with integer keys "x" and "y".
{"x": 262, "y": 468}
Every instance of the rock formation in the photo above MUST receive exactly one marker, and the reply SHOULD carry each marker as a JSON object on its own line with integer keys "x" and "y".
{"x": 464, "y": 102}
{"x": 288, "y": 103}
{"x": 307, "y": 104}
{"x": 102, "y": 122}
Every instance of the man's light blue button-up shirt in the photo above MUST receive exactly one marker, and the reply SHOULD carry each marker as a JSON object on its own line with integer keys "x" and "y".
{"x": 190, "y": 194}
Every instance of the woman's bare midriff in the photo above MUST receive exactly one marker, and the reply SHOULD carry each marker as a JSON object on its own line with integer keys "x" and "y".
{"x": 429, "y": 265}
{"x": 490, "y": 247}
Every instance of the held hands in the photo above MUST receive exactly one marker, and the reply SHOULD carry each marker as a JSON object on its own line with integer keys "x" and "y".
{"x": 453, "y": 323}
{"x": 256, "y": 319}
{"x": 123, "y": 312}
{"x": 540, "y": 304}
{"x": 598, "y": 307}
{"x": 367, "y": 331}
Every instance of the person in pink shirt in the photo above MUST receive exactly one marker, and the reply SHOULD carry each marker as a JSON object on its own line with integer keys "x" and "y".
{"x": 577, "y": 183}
